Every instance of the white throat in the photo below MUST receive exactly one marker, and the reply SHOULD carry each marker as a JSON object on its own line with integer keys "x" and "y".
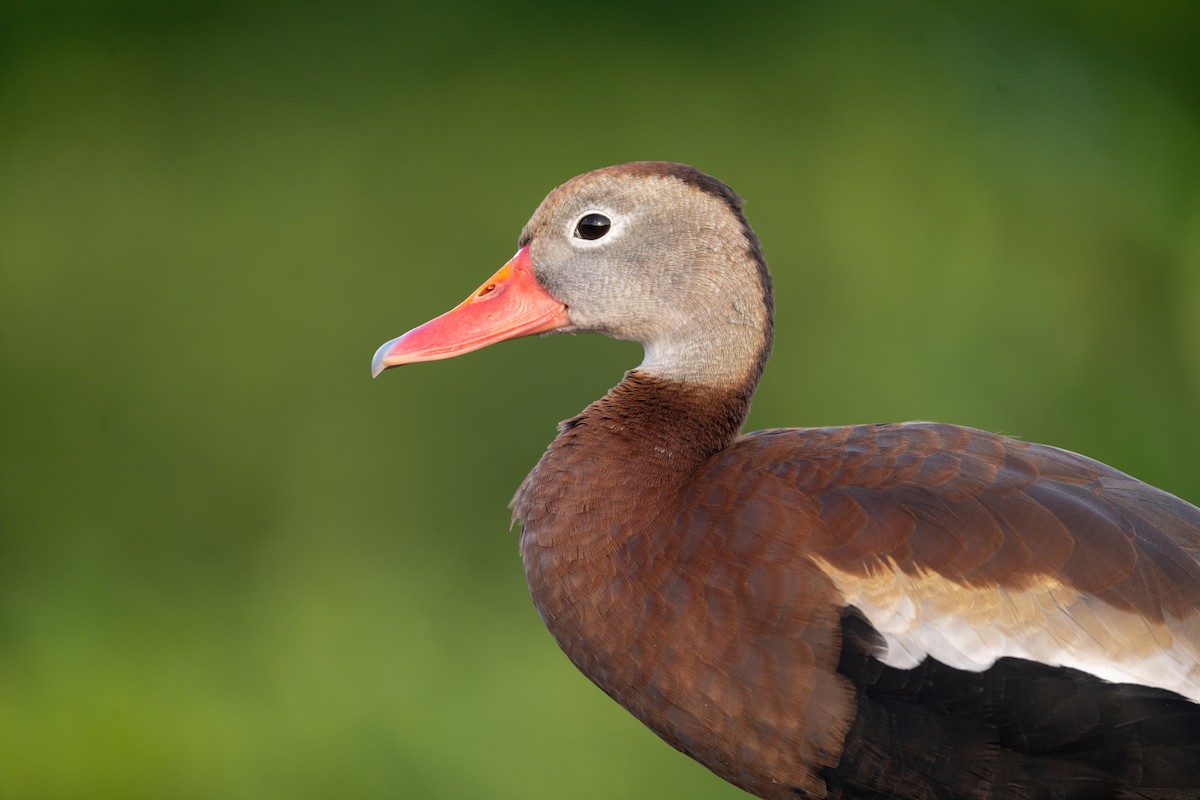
{"x": 723, "y": 349}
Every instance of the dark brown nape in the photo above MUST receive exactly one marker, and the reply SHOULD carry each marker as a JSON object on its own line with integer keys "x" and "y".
{"x": 621, "y": 441}
{"x": 707, "y": 183}
{"x": 710, "y": 185}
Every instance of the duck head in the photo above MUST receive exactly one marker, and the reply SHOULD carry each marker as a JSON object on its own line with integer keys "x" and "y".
{"x": 653, "y": 252}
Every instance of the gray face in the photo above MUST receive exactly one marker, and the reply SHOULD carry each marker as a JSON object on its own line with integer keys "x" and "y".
{"x": 674, "y": 271}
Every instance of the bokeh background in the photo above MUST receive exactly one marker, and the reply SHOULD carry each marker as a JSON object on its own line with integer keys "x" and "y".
{"x": 233, "y": 566}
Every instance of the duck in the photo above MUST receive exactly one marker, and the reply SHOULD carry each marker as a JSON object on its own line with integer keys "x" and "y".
{"x": 901, "y": 610}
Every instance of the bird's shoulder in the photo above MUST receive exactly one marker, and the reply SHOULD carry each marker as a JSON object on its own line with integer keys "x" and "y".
{"x": 969, "y": 546}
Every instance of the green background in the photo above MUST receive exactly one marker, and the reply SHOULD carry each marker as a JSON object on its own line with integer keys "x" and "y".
{"x": 233, "y": 566}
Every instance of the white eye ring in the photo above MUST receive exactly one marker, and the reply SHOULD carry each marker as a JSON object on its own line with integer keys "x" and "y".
{"x": 594, "y": 228}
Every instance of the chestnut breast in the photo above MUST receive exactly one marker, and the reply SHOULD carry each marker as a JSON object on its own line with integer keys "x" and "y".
{"x": 662, "y": 573}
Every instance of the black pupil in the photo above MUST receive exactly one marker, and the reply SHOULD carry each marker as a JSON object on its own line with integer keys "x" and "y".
{"x": 592, "y": 226}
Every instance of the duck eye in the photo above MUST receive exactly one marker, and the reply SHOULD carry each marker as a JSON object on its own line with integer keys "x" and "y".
{"x": 592, "y": 226}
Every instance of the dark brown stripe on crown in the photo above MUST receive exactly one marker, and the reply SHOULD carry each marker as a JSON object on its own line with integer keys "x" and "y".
{"x": 686, "y": 173}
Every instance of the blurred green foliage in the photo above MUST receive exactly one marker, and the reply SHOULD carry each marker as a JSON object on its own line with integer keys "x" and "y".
{"x": 233, "y": 566}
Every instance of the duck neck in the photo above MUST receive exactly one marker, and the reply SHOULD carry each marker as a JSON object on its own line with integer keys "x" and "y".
{"x": 723, "y": 349}
{"x": 666, "y": 424}
{"x": 625, "y": 457}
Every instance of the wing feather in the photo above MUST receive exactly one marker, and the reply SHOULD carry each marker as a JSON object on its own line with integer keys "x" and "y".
{"x": 969, "y": 547}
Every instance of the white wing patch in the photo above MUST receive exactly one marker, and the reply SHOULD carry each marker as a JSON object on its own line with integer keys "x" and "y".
{"x": 968, "y": 628}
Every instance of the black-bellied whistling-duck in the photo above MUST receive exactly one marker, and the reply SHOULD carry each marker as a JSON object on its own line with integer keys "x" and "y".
{"x": 878, "y": 611}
